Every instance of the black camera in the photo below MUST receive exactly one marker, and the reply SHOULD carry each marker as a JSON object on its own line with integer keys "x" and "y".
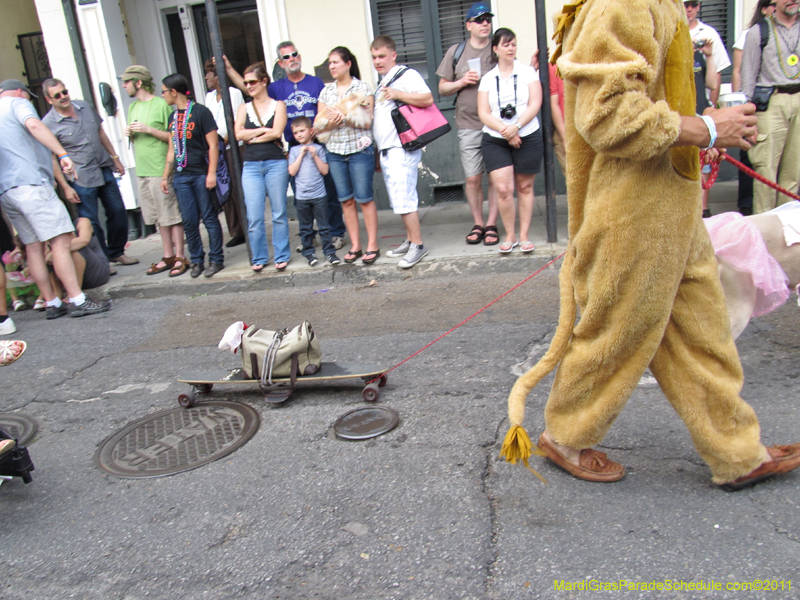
{"x": 508, "y": 111}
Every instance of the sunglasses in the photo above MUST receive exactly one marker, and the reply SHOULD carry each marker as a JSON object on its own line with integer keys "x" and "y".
{"x": 482, "y": 20}
{"x": 58, "y": 95}
{"x": 288, "y": 56}
{"x": 251, "y": 81}
{"x": 691, "y": 4}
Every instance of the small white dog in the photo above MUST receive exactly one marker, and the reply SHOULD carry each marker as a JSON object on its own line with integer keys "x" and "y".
{"x": 355, "y": 109}
{"x": 758, "y": 259}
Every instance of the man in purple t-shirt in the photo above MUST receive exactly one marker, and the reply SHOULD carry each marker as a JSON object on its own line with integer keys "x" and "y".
{"x": 299, "y": 92}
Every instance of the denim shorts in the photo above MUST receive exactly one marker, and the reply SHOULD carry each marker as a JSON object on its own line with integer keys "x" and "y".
{"x": 352, "y": 174}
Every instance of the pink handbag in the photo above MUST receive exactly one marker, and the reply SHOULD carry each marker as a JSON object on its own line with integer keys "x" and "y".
{"x": 416, "y": 126}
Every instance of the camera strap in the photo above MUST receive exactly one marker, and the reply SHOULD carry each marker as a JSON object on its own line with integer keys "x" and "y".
{"x": 499, "y": 102}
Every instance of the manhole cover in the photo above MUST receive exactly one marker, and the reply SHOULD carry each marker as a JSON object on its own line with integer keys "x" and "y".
{"x": 21, "y": 427}
{"x": 365, "y": 423}
{"x": 177, "y": 440}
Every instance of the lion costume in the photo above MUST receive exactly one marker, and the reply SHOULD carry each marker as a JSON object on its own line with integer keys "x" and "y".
{"x": 639, "y": 266}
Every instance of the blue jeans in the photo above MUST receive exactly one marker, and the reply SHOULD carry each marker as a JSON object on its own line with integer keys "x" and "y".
{"x": 353, "y": 173}
{"x": 335, "y": 216}
{"x": 307, "y": 211}
{"x": 195, "y": 204}
{"x": 259, "y": 178}
{"x": 116, "y": 215}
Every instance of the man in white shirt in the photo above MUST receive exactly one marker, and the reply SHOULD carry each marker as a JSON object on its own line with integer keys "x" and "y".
{"x": 699, "y": 31}
{"x": 399, "y": 166}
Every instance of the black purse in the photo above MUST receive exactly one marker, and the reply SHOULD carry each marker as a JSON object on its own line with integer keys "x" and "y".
{"x": 761, "y": 97}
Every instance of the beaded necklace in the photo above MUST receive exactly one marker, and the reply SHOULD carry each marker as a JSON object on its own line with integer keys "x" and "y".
{"x": 179, "y": 139}
{"x": 793, "y": 58}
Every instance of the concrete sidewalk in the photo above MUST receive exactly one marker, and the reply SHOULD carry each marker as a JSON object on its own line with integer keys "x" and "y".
{"x": 444, "y": 228}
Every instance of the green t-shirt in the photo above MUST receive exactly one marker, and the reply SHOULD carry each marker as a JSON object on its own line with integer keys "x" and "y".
{"x": 150, "y": 152}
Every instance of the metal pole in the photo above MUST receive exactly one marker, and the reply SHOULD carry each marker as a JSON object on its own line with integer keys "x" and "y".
{"x": 236, "y": 168}
{"x": 546, "y": 121}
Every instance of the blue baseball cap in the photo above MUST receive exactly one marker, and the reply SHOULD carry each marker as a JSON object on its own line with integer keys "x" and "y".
{"x": 478, "y": 9}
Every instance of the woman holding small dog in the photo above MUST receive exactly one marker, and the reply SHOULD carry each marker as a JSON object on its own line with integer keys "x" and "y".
{"x": 350, "y": 149}
{"x": 259, "y": 124}
{"x": 509, "y": 98}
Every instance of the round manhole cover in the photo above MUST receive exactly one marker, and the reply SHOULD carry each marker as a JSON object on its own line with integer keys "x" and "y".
{"x": 21, "y": 427}
{"x": 177, "y": 440}
{"x": 365, "y": 423}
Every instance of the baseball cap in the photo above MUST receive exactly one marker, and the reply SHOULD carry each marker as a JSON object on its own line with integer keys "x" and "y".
{"x": 15, "y": 84}
{"x": 136, "y": 72}
{"x": 478, "y": 9}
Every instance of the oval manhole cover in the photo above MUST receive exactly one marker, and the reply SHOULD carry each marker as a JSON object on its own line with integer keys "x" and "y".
{"x": 177, "y": 440}
{"x": 365, "y": 423}
{"x": 21, "y": 427}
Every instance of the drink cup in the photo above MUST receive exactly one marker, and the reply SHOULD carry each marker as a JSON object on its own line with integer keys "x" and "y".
{"x": 734, "y": 99}
{"x": 475, "y": 65}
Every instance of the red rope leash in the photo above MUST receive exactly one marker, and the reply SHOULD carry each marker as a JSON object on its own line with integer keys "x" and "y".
{"x": 557, "y": 258}
{"x": 761, "y": 178}
{"x": 712, "y": 178}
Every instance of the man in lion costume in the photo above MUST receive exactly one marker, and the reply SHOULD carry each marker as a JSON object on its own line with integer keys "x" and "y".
{"x": 639, "y": 267}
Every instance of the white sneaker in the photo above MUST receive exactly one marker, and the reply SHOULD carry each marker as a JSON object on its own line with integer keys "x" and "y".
{"x": 400, "y": 251}
{"x": 7, "y": 327}
{"x": 415, "y": 254}
{"x": 337, "y": 242}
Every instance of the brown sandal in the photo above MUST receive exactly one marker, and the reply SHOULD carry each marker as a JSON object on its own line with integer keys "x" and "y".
{"x": 179, "y": 267}
{"x": 168, "y": 262}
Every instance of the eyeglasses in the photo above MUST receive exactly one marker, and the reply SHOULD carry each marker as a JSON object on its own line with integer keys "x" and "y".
{"x": 288, "y": 56}
{"x": 482, "y": 20}
{"x": 251, "y": 81}
{"x": 58, "y": 95}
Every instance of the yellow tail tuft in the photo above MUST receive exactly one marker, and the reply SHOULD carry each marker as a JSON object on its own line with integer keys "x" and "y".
{"x": 518, "y": 446}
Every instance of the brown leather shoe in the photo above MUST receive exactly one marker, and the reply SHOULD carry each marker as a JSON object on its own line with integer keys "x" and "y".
{"x": 594, "y": 466}
{"x": 786, "y": 458}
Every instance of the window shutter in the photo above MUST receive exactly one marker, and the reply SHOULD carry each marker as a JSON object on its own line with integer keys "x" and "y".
{"x": 402, "y": 21}
{"x": 451, "y": 21}
{"x": 715, "y": 14}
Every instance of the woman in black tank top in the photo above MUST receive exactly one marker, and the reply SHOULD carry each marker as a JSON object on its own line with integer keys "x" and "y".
{"x": 260, "y": 124}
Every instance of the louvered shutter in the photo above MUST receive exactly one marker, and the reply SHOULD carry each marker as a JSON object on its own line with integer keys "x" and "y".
{"x": 451, "y": 21}
{"x": 715, "y": 13}
{"x": 402, "y": 20}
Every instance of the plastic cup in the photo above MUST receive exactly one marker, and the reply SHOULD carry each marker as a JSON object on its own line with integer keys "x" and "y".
{"x": 734, "y": 99}
{"x": 475, "y": 65}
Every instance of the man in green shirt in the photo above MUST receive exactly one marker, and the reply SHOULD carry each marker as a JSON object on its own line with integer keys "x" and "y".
{"x": 147, "y": 129}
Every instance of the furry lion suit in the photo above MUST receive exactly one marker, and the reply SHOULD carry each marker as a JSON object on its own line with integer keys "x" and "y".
{"x": 639, "y": 267}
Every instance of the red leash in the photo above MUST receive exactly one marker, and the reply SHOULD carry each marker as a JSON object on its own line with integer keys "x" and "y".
{"x": 761, "y": 178}
{"x": 474, "y": 315}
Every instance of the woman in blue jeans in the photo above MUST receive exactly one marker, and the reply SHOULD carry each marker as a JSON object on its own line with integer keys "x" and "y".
{"x": 260, "y": 124}
{"x": 194, "y": 156}
{"x": 350, "y": 152}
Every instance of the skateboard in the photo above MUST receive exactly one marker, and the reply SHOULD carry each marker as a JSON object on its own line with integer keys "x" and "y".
{"x": 282, "y": 387}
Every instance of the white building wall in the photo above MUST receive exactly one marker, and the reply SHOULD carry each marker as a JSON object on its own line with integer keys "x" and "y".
{"x": 56, "y": 38}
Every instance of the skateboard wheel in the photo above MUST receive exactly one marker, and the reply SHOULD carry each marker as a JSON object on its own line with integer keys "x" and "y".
{"x": 371, "y": 392}
{"x": 208, "y": 387}
{"x": 382, "y": 380}
{"x": 187, "y": 400}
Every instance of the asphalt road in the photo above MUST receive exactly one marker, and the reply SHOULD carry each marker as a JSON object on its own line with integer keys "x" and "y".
{"x": 426, "y": 511}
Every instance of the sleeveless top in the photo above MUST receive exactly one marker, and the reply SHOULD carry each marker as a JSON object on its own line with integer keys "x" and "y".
{"x": 267, "y": 150}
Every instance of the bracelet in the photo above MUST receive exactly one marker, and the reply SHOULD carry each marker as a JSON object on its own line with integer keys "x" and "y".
{"x": 712, "y": 130}
{"x": 115, "y": 157}
{"x": 65, "y": 155}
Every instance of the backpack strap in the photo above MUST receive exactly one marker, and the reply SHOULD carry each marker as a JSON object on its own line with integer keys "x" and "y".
{"x": 456, "y": 57}
{"x": 764, "y": 29}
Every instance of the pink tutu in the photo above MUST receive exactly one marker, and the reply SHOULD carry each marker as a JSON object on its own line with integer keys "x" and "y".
{"x": 739, "y": 243}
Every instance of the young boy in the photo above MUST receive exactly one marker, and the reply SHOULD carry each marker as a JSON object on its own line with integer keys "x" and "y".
{"x": 308, "y": 166}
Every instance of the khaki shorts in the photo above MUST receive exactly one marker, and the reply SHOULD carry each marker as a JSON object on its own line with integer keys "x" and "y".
{"x": 469, "y": 145}
{"x": 158, "y": 208}
{"x": 36, "y": 212}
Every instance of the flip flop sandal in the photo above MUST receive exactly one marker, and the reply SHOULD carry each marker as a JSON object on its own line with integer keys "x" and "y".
{"x": 490, "y": 231}
{"x": 281, "y": 266}
{"x": 11, "y": 350}
{"x": 257, "y": 268}
{"x": 168, "y": 262}
{"x": 476, "y": 235}
{"x": 505, "y": 248}
{"x": 526, "y": 247}
{"x": 352, "y": 257}
{"x": 179, "y": 267}
{"x": 371, "y": 256}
